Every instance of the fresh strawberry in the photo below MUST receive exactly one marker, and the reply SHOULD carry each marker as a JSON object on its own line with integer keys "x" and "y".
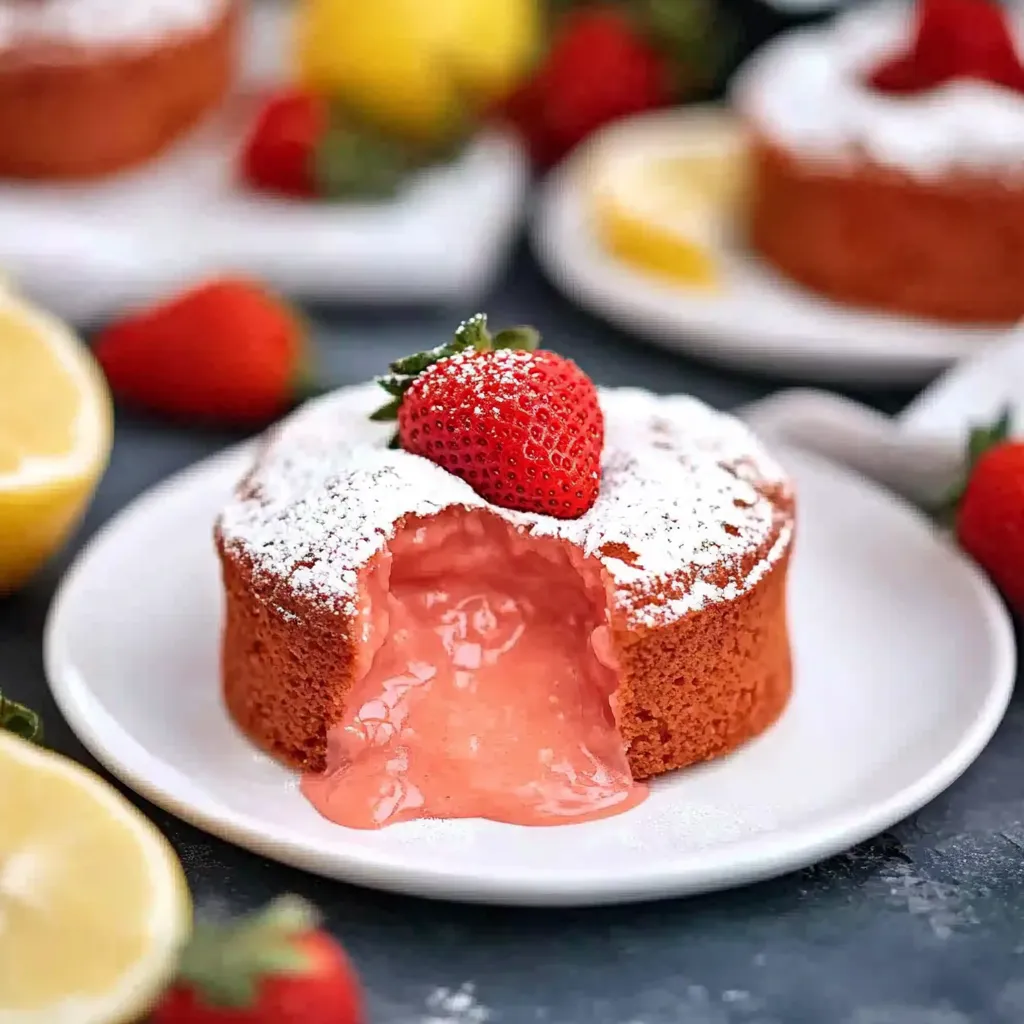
{"x": 300, "y": 146}
{"x": 280, "y": 152}
{"x": 954, "y": 39}
{"x": 521, "y": 426}
{"x": 990, "y": 510}
{"x": 225, "y": 351}
{"x": 599, "y": 68}
{"x": 20, "y": 720}
{"x": 273, "y": 968}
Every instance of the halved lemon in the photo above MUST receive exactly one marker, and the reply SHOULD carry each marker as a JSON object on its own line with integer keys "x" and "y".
{"x": 94, "y": 908}
{"x": 664, "y": 192}
{"x": 55, "y": 435}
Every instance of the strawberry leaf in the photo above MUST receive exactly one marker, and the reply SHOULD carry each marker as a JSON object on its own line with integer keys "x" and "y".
{"x": 354, "y": 163}
{"x": 471, "y": 335}
{"x": 387, "y": 412}
{"x": 980, "y": 440}
{"x": 20, "y": 720}
{"x": 526, "y": 339}
{"x": 415, "y": 364}
{"x": 225, "y": 962}
{"x": 697, "y": 36}
{"x": 405, "y": 371}
{"x": 395, "y": 384}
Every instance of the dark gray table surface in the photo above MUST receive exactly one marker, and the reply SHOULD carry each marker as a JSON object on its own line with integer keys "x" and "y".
{"x": 924, "y": 925}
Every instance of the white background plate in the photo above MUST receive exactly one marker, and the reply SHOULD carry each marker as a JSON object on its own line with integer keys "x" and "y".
{"x": 758, "y": 321}
{"x": 86, "y": 251}
{"x": 905, "y": 662}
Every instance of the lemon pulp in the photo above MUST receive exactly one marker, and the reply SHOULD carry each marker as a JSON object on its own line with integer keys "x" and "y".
{"x": 55, "y": 434}
{"x": 93, "y": 904}
{"x": 661, "y": 196}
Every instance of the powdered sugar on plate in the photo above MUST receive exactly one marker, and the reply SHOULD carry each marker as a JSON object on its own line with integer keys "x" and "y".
{"x": 806, "y": 92}
{"x": 456, "y": 1006}
{"x": 101, "y": 22}
{"x": 687, "y": 496}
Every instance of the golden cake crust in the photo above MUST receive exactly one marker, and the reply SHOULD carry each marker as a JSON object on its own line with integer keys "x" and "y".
{"x": 693, "y": 532}
{"x": 950, "y": 249}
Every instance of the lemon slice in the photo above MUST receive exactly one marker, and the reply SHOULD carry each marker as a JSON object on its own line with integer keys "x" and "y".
{"x": 94, "y": 908}
{"x": 55, "y": 433}
{"x": 663, "y": 193}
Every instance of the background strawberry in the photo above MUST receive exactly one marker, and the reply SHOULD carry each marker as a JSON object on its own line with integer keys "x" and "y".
{"x": 302, "y": 146}
{"x": 599, "y": 68}
{"x": 954, "y": 39}
{"x": 990, "y": 510}
{"x": 273, "y": 968}
{"x": 226, "y": 351}
{"x": 522, "y": 427}
{"x": 614, "y": 58}
{"x": 280, "y": 152}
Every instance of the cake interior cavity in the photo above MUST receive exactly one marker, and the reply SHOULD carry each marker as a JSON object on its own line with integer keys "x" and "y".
{"x": 486, "y": 687}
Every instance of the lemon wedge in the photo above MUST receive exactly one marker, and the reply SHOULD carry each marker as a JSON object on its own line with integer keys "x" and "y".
{"x": 663, "y": 193}
{"x": 55, "y": 435}
{"x": 94, "y": 908}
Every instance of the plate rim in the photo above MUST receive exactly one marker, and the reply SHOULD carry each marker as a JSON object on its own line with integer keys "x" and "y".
{"x": 766, "y": 352}
{"x": 761, "y": 856}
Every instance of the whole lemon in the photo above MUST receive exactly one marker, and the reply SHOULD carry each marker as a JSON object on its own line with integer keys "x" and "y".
{"x": 416, "y": 68}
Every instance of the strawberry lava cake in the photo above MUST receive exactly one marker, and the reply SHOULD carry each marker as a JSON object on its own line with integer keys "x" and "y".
{"x": 530, "y": 599}
{"x": 888, "y": 158}
{"x": 89, "y": 87}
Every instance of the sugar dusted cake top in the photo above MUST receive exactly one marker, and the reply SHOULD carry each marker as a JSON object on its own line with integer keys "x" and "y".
{"x": 687, "y": 496}
{"x": 806, "y": 91}
{"x": 101, "y": 22}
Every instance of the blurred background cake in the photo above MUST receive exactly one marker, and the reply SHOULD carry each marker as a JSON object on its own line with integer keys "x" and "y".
{"x": 886, "y": 159}
{"x": 89, "y": 87}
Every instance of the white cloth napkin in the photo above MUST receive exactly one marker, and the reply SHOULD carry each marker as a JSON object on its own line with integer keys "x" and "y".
{"x": 919, "y": 453}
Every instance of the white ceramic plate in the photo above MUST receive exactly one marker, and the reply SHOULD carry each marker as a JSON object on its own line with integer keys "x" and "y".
{"x": 905, "y": 662}
{"x": 86, "y": 251}
{"x": 759, "y": 321}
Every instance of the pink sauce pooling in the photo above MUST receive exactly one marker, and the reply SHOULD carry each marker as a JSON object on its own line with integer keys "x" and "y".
{"x": 488, "y": 689}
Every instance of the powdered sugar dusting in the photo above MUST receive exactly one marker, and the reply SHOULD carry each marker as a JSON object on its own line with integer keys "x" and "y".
{"x": 684, "y": 501}
{"x": 101, "y": 22}
{"x": 466, "y": 368}
{"x": 806, "y": 91}
{"x": 456, "y": 1006}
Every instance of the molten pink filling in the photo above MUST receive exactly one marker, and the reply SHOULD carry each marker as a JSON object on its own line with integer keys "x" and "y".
{"x": 488, "y": 686}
